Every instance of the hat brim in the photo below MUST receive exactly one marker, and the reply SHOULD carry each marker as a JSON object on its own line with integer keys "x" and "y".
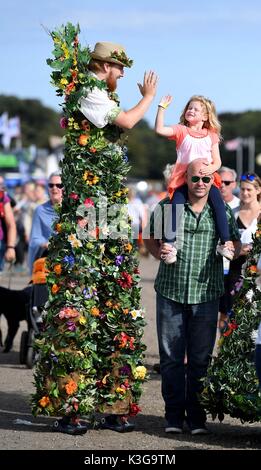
{"x": 108, "y": 59}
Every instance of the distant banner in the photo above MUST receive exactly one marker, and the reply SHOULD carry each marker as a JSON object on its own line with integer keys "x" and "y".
{"x": 9, "y": 129}
{"x": 3, "y": 123}
{"x": 233, "y": 144}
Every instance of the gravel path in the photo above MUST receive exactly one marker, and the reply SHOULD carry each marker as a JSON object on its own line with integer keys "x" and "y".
{"x": 16, "y": 386}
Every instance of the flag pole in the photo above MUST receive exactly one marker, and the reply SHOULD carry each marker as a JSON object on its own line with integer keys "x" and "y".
{"x": 251, "y": 154}
{"x": 239, "y": 157}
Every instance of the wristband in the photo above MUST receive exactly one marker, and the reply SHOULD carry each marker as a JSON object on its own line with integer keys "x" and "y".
{"x": 9, "y": 246}
{"x": 162, "y": 106}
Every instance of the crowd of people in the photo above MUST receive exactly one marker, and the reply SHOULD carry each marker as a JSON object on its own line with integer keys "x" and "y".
{"x": 18, "y": 207}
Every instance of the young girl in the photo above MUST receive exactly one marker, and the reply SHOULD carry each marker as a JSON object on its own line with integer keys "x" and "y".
{"x": 197, "y": 136}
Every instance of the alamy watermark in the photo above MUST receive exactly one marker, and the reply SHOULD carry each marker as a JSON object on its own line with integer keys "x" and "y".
{"x": 104, "y": 221}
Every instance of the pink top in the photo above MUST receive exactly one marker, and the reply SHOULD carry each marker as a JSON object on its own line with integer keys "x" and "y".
{"x": 190, "y": 145}
{"x": 5, "y": 200}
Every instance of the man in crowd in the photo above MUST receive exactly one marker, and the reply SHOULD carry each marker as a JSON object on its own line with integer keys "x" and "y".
{"x": 43, "y": 219}
{"x": 228, "y": 185}
{"x": 188, "y": 294}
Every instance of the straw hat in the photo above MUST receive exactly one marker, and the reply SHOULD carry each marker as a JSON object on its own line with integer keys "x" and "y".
{"x": 111, "y": 52}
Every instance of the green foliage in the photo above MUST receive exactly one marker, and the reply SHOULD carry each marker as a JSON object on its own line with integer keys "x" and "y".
{"x": 231, "y": 385}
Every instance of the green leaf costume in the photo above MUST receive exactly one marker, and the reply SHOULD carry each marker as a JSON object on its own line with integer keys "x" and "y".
{"x": 90, "y": 351}
{"x": 231, "y": 386}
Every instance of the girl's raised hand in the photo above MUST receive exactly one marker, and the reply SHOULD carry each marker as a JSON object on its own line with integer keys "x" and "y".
{"x": 165, "y": 101}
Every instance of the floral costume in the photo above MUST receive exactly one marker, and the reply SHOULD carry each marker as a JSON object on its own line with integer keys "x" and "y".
{"x": 90, "y": 350}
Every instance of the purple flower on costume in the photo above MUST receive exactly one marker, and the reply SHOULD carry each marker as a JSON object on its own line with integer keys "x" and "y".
{"x": 71, "y": 325}
{"x": 54, "y": 358}
{"x": 125, "y": 370}
{"x": 69, "y": 259}
{"x": 64, "y": 122}
{"x": 237, "y": 286}
{"x": 119, "y": 260}
{"x": 87, "y": 294}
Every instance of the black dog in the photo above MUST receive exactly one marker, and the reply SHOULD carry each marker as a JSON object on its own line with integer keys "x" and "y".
{"x": 14, "y": 306}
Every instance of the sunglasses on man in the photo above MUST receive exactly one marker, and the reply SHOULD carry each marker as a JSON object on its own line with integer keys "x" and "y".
{"x": 205, "y": 179}
{"x": 226, "y": 183}
{"x": 58, "y": 185}
{"x": 247, "y": 176}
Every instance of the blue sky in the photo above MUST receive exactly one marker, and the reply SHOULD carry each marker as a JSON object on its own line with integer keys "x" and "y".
{"x": 209, "y": 48}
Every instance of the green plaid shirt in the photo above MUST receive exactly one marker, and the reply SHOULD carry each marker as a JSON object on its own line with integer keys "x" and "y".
{"x": 197, "y": 275}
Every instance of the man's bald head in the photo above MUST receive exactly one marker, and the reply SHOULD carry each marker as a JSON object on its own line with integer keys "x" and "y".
{"x": 198, "y": 185}
{"x": 195, "y": 165}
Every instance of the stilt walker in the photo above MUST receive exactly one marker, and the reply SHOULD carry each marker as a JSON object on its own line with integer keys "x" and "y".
{"x": 90, "y": 352}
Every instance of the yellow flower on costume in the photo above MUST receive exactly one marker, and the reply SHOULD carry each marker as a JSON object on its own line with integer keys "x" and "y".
{"x": 75, "y": 243}
{"x": 71, "y": 122}
{"x": 82, "y": 320}
{"x": 63, "y": 82}
{"x": 140, "y": 372}
{"x": 90, "y": 178}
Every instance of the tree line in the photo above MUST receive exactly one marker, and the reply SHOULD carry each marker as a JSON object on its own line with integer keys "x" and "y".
{"x": 147, "y": 152}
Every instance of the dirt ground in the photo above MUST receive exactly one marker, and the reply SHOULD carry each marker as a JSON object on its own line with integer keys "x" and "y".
{"x": 20, "y": 431}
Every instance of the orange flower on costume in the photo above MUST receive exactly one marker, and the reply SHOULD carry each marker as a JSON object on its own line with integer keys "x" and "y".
{"x": 55, "y": 289}
{"x": 252, "y": 269}
{"x": 125, "y": 341}
{"x": 70, "y": 88}
{"x": 95, "y": 312}
{"x": 83, "y": 140}
{"x": 74, "y": 75}
{"x": 93, "y": 150}
{"x": 58, "y": 269}
{"x": 128, "y": 247}
{"x": 58, "y": 228}
{"x": 71, "y": 387}
{"x": 45, "y": 401}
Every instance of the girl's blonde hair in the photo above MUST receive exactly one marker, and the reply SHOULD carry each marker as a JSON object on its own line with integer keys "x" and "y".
{"x": 212, "y": 123}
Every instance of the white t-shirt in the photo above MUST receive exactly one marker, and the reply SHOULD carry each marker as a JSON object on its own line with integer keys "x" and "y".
{"x": 98, "y": 108}
{"x": 234, "y": 203}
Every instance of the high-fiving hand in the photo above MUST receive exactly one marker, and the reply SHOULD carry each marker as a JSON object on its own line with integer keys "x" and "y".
{"x": 165, "y": 101}
{"x": 150, "y": 82}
